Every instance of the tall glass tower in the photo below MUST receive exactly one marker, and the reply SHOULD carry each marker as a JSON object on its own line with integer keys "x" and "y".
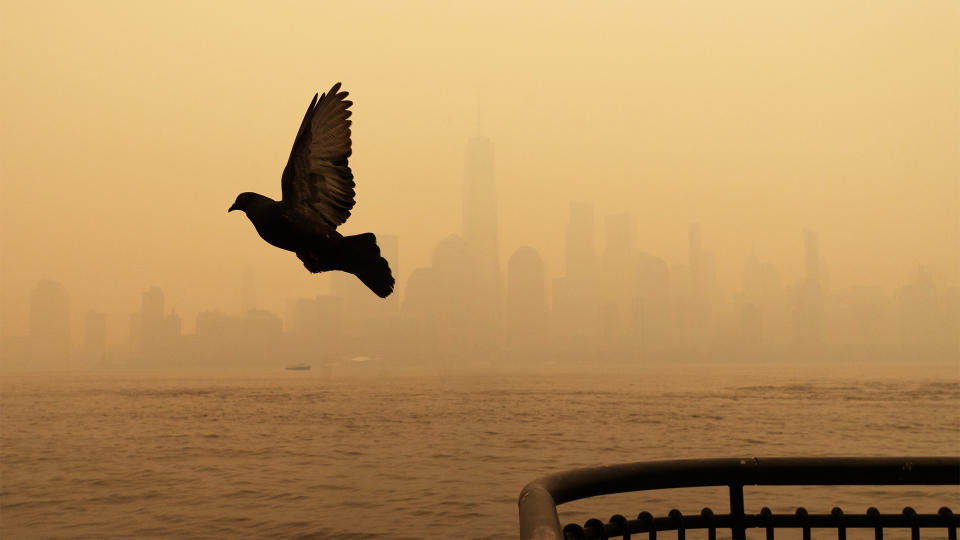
{"x": 481, "y": 230}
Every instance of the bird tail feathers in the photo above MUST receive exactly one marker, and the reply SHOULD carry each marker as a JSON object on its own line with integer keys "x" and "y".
{"x": 358, "y": 255}
{"x": 361, "y": 257}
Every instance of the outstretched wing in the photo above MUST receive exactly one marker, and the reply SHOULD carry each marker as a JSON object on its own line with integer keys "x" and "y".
{"x": 317, "y": 181}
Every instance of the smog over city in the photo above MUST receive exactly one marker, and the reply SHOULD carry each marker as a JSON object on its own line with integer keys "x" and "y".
{"x": 679, "y": 196}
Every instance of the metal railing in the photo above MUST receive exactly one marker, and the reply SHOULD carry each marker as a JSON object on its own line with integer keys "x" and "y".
{"x": 539, "y": 499}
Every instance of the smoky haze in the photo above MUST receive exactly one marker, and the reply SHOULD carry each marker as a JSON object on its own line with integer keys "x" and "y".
{"x": 632, "y": 182}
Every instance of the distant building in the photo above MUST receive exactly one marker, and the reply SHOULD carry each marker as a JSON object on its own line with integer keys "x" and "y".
{"x": 480, "y": 214}
{"x": 94, "y": 337}
{"x": 135, "y": 328}
{"x": 151, "y": 321}
{"x": 171, "y": 328}
{"x": 702, "y": 293}
{"x": 857, "y": 325}
{"x": 419, "y": 317}
{"x": 576, "y": 314}
{"x": 650, "y": 321}
{"x": 251, "y": 340}
{"x": 155, "y": 336}
{"x": 481, "y": 236}
{"x": 618, "y": 285}
{"x": 316, "y": 329}
{"x": 927, "y": 317}
{"x": 526, "y": 320}
{"x": 419, "y": 296}
{"x": 367, "y": 319}
{"x": 581, "y": 254}
{"x": 218, "y": 340}
{"x": 464, "y": 318}
{"x": 808, "y": 313}
{"x": 49, "y": 324}
{"x": 770, "y": 323}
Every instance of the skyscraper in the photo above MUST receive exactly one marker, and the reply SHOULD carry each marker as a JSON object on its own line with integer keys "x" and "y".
{"x": 481, "y": 236}
{"x": 49, "y": 323}
{"x": 618, "y": 288}
{"x": 575, "y": 306}
{"x": 171, "y": 329}
{"x": 581, "y": 254}
{"x": 651, "y": 316}
{"x": 703, "y": 292}
{"x": 480, "y": 215}
{"x": 94, "y": 336}
{"x": 808, "y": 312}
{"x": 151, "y": 320}
{"x": 464, "y": 314}
{"x": 762, "y": 288}
{"x": 526, "y": 328}
{"x": 619, "y": 249}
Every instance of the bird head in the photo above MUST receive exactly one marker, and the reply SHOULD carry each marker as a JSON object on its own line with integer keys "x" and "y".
{"x": 243, "y": 202}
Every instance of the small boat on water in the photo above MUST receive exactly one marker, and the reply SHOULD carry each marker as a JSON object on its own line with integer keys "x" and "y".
{"x": 298, "y": 367}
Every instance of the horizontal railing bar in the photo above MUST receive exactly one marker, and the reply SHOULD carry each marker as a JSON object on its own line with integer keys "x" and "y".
{"x": 590, "y": 482}
{"x": 539, "y": 499}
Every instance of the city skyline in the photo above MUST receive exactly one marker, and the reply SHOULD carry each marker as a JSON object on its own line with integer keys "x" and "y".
{"x": 535, "y": 322}
{"x": 692, "y": 125}
{"x": 596, "y": 234}
{"x": 610, "y": 299}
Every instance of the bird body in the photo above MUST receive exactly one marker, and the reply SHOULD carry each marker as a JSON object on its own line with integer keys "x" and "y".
{"x": 283, "y": 228}
{"x": 317, "y": 197}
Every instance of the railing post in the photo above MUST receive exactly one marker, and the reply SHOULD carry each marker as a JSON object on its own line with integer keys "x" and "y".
{"x": 738, "y": 529}
{"x": 538, "y": 514}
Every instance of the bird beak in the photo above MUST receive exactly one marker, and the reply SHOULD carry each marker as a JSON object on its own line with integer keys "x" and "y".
{"x": 232, "y": 207}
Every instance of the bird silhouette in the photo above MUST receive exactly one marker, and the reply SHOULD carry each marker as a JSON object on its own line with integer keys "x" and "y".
{"x": 317, "y": 187}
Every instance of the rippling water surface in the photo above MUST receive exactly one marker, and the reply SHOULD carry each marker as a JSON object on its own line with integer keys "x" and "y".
{"x": 384, "y": 455}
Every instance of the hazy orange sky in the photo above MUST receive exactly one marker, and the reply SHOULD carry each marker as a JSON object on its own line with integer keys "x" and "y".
{"x": 129, "y": 127}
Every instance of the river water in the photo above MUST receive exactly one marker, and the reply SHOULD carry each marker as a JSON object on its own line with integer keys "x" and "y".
{"x": 379, "y": 454}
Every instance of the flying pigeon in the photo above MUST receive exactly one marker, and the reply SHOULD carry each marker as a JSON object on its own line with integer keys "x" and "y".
{"x": 318, "y": 195}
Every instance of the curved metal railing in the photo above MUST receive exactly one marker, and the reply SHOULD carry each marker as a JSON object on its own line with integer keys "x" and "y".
{"x": 539, "y": 499}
